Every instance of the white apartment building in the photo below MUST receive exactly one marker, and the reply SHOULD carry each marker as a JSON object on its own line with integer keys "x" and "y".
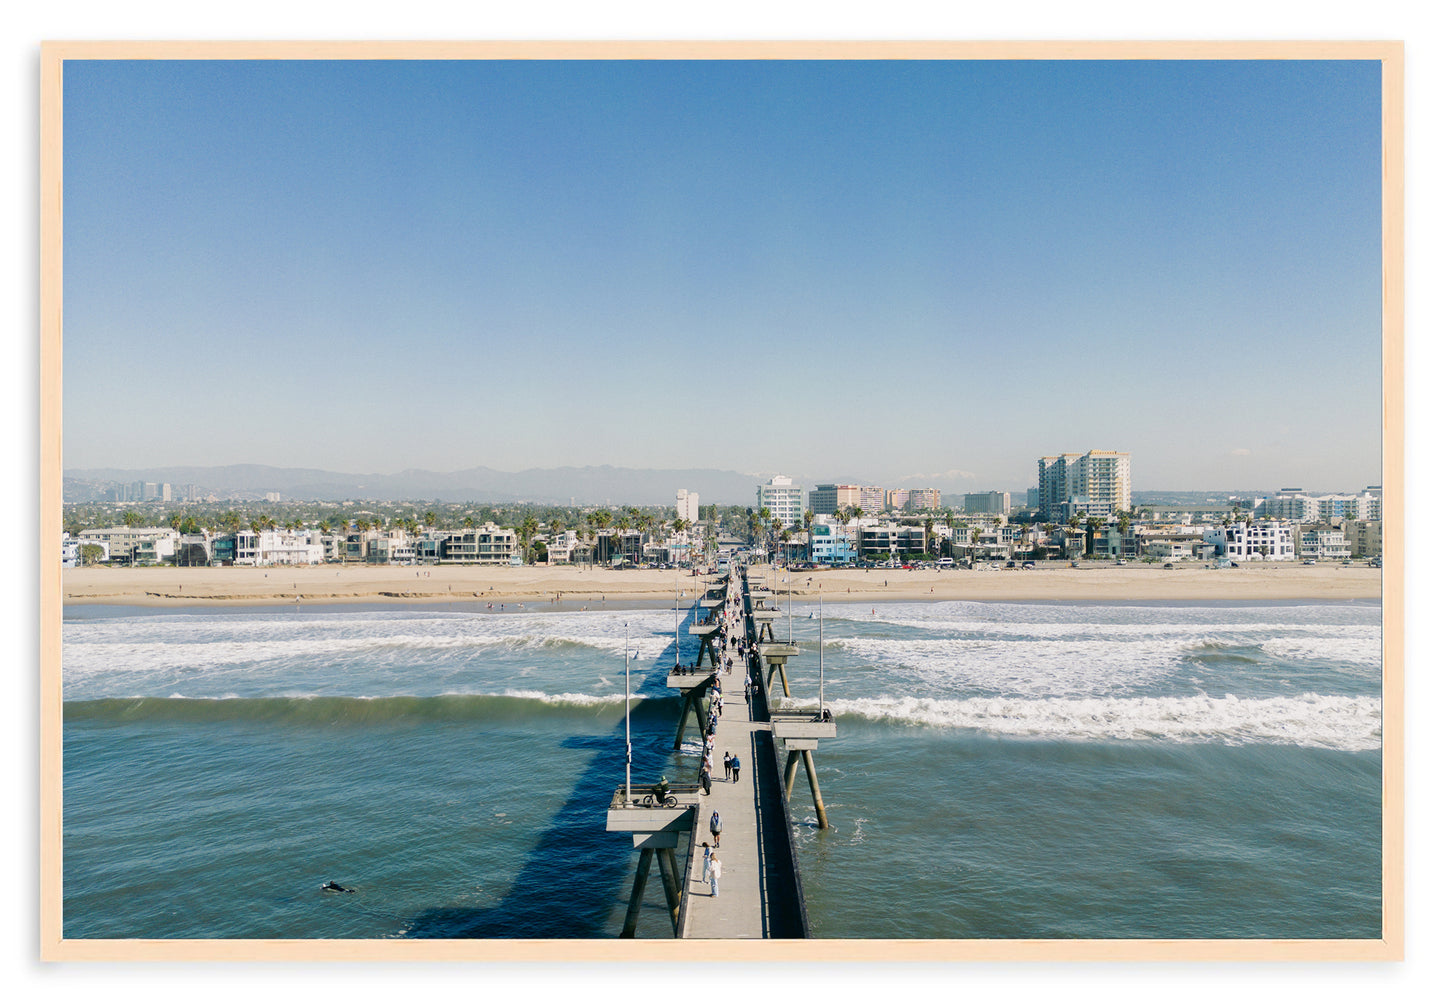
{"x": 1268, "y": 539}
{"x": 1093, "y": 483}
{"x": 1294, "y": 504}
{"x": 69, "y": 550}
{"x": 686, "y": 505}
{"x": 277, "y": 547}
{"x": 782, "y": 499}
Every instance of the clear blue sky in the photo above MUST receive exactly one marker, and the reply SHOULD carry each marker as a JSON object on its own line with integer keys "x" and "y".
{"x": 872, "y": 270}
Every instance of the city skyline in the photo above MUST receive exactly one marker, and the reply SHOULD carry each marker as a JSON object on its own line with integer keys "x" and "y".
{"x": 934, "y": 266}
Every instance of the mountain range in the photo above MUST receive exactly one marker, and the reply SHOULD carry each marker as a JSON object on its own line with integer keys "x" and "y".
{"x": 567, "y": 485}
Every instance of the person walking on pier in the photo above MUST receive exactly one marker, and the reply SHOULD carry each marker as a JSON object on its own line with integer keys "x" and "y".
{"x": 737, "y": 768}
{"x": 714, "y": 870}
{"x": 705, "y": 780}
{"x": 715, "y": 826}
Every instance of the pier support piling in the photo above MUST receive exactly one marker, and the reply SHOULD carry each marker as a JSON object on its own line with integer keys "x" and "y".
{"x": 817, "y": 791}
{"x": 634, "y": 904}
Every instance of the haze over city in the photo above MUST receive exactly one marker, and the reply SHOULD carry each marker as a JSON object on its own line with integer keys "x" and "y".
{"x": 928, "y": 273}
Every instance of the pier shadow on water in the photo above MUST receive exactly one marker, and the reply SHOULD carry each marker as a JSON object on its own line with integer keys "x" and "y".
{"x": 574, "y": 880}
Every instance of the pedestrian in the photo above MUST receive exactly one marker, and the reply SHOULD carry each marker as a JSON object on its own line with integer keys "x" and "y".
{"x": 715, "y": 826}
{"x": 705, "y": 780}
{"x": 714, "y": 872}
{"x": 737, "y": 768}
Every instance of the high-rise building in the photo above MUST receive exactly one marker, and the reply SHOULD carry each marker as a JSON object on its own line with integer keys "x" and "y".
{"x": 871, "y": 500}
{"x": 1094, "y": 483}
{"x": 828, "y": 498}
{"x": 923, "y": 499}
{"x": 783, "y": 500}
{"x": 989, "y": 502}
{"x": 686, "y": 505}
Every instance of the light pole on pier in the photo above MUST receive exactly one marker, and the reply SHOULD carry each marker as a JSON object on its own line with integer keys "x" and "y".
{"x": 627, "y": 705}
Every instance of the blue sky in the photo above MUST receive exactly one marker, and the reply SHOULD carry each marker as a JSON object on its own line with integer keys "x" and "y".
{"x": 886, "y": 271}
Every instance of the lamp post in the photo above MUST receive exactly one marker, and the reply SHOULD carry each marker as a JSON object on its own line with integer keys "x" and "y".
{"x": 820, "y": 650}
{"x": 627, "y": 706}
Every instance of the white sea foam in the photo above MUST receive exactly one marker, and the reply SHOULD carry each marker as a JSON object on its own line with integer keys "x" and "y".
{"x": 570, "y": 698}
{"x": 1349, "y": 723}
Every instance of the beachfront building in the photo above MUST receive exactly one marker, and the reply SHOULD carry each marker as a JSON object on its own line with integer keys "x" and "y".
{"x": 619, "y": 548}
{"x": 828, "y": 498}
{"x": 871, "y": 500}
{"x": 135, "y": 544}
{"x": 887, "y": 540}
{"x": 275, "y": 547}
{"x": 1320, "y": 543}
{"x": 1089, "y": 484}
{"x": 782, "y": 499}
{"x": 987, "y": 502}
{"x": 830, "y": 542}
{"x": 686, "y": 505}
{"x": 983, "y": 538}
{"x": 1265, "y": 539}
{"x": 393, "y": 546}
{"x": 1363, "y": 537}
{"x": 487, "y": 544}
{"x": 194, "y": 550}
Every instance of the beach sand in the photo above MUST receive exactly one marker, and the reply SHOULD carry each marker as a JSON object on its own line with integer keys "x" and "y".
{"x": 327, "y": 584}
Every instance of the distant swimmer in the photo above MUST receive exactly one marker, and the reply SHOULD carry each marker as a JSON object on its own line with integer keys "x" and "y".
{"x": 332, "y": 885}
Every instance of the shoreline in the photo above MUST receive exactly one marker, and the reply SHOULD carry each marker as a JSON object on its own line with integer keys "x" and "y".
{"x": 567, "y": 587}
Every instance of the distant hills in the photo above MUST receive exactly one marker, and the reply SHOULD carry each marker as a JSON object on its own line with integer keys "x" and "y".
{"x": 561, "y": 486}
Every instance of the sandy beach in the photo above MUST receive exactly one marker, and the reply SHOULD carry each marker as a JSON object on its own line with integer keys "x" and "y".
{"x": 327, "y": 584}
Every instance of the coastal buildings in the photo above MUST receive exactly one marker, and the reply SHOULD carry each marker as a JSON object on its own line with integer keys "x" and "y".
{"x": 686, "y": 505}
{"x": 990, "y": 502}
{"x": 782, "y": 499}
{"x": 830, "y": 542}
{"x": 489, "y": 544}
{"x": 825, "y": 499}
{"x": 134, "y": 544}
{"x": 923, "y": 499}
{"x": 871, "y": 500}
{"x": 1094, "y": 483}
{"x": 1267, "y": 539}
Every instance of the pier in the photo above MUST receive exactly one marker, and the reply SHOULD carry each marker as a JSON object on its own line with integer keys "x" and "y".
{"x": 760, "y": 894}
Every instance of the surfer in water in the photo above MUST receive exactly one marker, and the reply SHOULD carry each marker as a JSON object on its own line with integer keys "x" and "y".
{"x": 332, "y": 885}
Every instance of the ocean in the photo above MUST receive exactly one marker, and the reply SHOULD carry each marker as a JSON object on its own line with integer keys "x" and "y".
{"x": 1002, "y": 769}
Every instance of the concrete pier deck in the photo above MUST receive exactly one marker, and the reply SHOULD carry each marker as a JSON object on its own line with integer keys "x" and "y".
{"x": 759, "y": 893}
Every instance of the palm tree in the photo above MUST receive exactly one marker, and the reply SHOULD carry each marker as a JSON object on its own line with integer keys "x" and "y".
{"x": 528, "y": 530}
{"x": 808, "y": 519}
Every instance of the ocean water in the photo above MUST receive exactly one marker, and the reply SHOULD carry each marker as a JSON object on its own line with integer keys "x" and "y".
{"x": 1002, "y": 770}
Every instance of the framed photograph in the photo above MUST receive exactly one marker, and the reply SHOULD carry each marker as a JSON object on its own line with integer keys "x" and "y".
{"x": 838, "y": 501}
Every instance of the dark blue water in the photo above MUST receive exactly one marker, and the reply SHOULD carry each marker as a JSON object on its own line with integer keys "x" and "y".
{"x": 1002, "y": 770}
